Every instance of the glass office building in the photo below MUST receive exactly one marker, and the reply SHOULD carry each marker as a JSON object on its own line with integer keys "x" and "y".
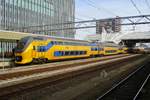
{"x": 20, "y": 15}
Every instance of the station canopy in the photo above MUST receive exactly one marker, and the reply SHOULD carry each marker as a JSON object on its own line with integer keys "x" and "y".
{"x": 11, "y": 35}
{"x": 136, "y": 36}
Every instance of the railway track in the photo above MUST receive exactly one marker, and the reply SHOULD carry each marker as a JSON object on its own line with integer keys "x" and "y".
{"x": 144, "y": 92}
{"x": 132, "y": 87}
{"x": 15, "y": 81}
{"x": 35, "y": 69}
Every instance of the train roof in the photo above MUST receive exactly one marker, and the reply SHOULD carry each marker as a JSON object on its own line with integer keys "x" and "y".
{"x": 62, "y": 39}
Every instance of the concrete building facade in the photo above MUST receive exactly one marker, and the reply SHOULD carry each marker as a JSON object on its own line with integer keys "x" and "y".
{"x": 110, "y": 25}
{"x": 20, "y": 15}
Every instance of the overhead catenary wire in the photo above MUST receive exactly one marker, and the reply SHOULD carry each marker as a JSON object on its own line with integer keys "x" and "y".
{"x": 135, "y": 6}
{"x": 93, "y": 4}
{"x": 85, "y": 16}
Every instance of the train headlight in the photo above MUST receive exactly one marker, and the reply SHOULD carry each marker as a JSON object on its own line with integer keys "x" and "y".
{"x": 18, "y": 58}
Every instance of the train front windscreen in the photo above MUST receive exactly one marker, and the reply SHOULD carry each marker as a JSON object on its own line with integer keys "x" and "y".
{"x": 22, "y": 44}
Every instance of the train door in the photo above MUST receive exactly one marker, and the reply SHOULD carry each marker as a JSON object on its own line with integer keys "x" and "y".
{"x": 42, "y": 55}
{"x": 100, "y": 49}
{"x": 34, "y": 52}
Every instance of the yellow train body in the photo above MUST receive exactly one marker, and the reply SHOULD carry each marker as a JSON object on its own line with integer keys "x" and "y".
{"x": 110, "y": 50}
{"x": 59, "y": 49}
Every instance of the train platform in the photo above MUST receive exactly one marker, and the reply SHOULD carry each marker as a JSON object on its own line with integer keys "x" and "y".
{"x": 5, "y": 62}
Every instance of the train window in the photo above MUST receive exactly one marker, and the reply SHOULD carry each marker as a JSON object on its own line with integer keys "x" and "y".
{"x": 56, "y": 53}
{"x": 81, "y": 52}
{"x": 110, "y": 51}
{"x": 52, "y": 42}
{"x": 101, "y": 49}
{"x": 66, "y": 53}
{"x": 72, "y": 53}
{"x": 76, "y": 52}
{"x": 62, "y": 53}
{"x": 95, "y": 49}
{"x": 85, "y": 52}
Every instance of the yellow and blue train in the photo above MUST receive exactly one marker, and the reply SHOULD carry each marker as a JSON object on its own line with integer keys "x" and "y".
{"x": 42, "y": 49}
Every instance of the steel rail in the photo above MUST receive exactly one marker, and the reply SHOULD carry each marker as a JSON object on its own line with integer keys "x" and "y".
{"x": 146, "y": 80}
{"x": 122, "y": 81}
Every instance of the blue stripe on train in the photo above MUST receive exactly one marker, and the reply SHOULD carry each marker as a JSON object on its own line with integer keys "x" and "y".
{"x": 44, "y": 48}
{"x": 57, "y": 53}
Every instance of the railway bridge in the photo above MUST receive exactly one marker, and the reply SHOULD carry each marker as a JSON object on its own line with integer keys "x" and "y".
{"x": 131, "y": 39}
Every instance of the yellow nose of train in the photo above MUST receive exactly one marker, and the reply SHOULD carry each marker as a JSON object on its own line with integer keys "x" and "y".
{"x": 23, "y": 51}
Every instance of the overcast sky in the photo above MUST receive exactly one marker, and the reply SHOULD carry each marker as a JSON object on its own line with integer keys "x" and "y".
{"x": 107, "y": 9}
